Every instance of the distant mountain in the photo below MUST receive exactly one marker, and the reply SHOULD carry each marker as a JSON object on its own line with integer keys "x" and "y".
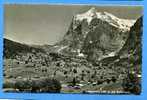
{"x": 94, "y": 35}
{"x": 12, "y": 48}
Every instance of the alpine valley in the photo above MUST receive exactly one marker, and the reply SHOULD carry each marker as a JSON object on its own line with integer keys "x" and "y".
{"x": 96, "y": 54}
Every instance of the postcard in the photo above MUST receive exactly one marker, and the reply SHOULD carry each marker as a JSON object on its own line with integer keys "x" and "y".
{"x": 84, "y": 49}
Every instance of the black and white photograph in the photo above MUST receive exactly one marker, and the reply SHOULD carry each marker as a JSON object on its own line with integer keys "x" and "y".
{"x": 84, "y": 49}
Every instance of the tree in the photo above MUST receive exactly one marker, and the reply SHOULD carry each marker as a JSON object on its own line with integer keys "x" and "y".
{"x": 83, "y": 74}
{"x": 74, "y": 71}
{"x": 35, "y": 86}
{"x": 108, "y": 81}
{"x": 9, "y": 85}
{"x": 54, "y": 74}
{"x": 132, "y": 84}
{"x": 65, "y": 73}
{"x": 89, "y": 79}
{"x": 113, "y": 79}
{"x": 94, "y": 75}
{"x": 74, "y": 81}
{"x": 23, "y": 85}
{"x": 50, "y": 85}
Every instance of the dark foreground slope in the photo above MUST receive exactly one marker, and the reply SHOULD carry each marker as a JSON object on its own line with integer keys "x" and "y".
{"x": 133, "y": 46}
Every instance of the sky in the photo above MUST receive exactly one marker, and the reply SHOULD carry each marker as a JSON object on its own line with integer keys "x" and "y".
{"x": 47, "y": 24}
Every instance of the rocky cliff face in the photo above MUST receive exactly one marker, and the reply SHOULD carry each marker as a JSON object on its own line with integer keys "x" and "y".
{"x": 94, "y": 34}
{"x": 132, "y": 49}
{"x": 133, "y": 42}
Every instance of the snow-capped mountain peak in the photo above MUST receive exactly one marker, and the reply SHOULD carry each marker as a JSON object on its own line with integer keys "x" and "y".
{"x": 123, "y": 24}
{"x": 92, "y": 12}
{"x": 89, "y": 15}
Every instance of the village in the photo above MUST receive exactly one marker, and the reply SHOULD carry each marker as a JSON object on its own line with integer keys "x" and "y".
{"x": 75, "y": 74}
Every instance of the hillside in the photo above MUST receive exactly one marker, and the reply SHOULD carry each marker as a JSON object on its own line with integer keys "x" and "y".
{"x": 12, "y": 48}
{"x": 133, "y": 46}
